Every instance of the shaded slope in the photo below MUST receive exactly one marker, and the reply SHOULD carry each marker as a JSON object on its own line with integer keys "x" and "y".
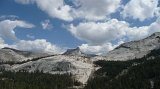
{"x": 142, "y": 73}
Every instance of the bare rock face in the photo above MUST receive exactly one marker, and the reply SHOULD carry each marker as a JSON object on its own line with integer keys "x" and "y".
{"x": 7, "y": 54}
{"x": 79, "y": 67}
{"x": 73, "y": 62}
{"x": 13, "y": 55}
{"x": 78, "y": 52}
{"x": 74, "y": 52}
{"x": 134, "y": 49}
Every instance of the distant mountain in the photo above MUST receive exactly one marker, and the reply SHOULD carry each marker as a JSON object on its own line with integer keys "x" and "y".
{"x": 74, "y": 52}
{"x": 77, "y": 52}
{"x": 135, "y": 49}
{"x": 14, "y": 55}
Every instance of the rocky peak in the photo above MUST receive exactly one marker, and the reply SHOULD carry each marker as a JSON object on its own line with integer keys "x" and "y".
{"x": 74, "y": 52}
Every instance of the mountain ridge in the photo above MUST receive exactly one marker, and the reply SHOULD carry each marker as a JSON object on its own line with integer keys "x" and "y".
{"x": 14, "y": 55}
{"x": 135, "y": 49}
{"x": 76, "y": 62}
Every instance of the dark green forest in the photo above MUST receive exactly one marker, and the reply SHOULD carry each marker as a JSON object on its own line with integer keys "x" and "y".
{"x": 143, "y": 73}
{"x": 36, "y": 80}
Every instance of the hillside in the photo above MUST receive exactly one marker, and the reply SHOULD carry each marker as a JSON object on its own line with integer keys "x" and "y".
{"x": 80, "y": 66}
{"x": 134, "y": 49}
{"x": 141, "y": 73}
{"x": 14, "y": 55}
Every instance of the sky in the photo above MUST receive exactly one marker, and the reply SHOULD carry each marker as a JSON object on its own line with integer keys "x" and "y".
{"x": 96, "y": 26}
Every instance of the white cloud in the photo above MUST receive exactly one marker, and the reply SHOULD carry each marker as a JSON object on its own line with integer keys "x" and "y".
{"x": 46, "y": 25}
{"x": 155, "y": 27}
{"x": 2, "y": 43}
{"x": 137, "y": 33}
{"x": 100, "y": 32}
{"x": 141, "y": 9}
{"x": 85, "y": 9}
{"x": 7, "y": 27}
{"x": 102, "y": 37}
{"x": 54, "y": 8}
{"x": 97, "y": 49}
{"x": 95, "y": 10}
{"x": 99, "y": 36}
{"x": 38, "y": 45}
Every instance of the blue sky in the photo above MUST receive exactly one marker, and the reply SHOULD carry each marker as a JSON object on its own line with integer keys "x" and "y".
{"x": 32, "y": 14}
{"x": 96, "y": 26}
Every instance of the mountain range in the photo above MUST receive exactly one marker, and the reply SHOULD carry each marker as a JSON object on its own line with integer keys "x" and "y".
{"x": 82, "y": 66}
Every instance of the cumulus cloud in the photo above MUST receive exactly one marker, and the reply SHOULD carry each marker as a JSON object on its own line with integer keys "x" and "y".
{"x": 141, "y": 9}
{"x": 2, "y": 43}
{"x": 86, "y": 9}
{"x": 95, "y": 10}
{"x": 100, "y": 32}
{"x": 46, "y": 25}
{"x": 98, "y": 49}
{"x": 38, "y": 45}
{"x": 136, "y": 33}
{"x": 155, "y": 27}
{"x": 54, "y": 8}
{"x": 7, "y": 27}
{"x": 99, "y": 36}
